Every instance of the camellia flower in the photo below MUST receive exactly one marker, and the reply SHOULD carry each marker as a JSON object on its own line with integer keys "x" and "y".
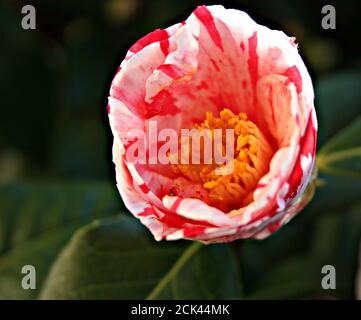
{"x": 217, "y": 70}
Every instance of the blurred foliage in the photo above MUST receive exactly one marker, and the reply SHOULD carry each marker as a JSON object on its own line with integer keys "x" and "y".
{"x": 55, "y": 154}
{"x": 36, "y": 221}
{"x": 341, "y": 155}
{"x": 338, "y": 101}
{"x": 124, "y": 263}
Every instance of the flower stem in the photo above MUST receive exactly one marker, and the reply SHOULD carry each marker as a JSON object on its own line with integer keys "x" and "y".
{"x": 177, "y": 266}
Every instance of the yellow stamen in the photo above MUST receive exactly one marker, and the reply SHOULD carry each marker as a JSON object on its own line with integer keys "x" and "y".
{"x": 252, "y": 154}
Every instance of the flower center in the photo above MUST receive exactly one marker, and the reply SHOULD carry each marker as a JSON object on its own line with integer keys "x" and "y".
{"x": 228, "y": 189}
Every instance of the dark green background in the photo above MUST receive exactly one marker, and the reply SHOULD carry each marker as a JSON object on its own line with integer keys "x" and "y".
{"x": 56, "y": 172}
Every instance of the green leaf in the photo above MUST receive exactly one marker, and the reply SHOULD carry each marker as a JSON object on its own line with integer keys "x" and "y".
{"x": 295, "y": 277}
{"x": 36, "y": 221}
{"x": 342, "y": 154}
{"x": 335, "y": 242}
{"x": 117, "y": 259}
{"x": 336, "y": 194}
{"x": 325, "y": 232}
{"x": 338, "y": 102}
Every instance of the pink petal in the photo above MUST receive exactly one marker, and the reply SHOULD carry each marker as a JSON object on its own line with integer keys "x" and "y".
{"x": 218, "y": 58}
